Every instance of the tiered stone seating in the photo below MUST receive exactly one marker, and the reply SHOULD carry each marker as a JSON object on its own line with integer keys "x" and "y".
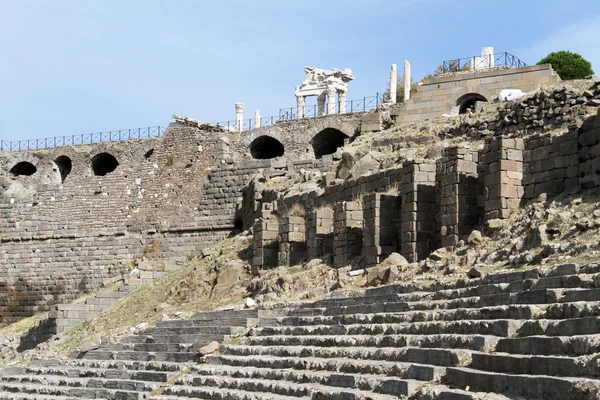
{"x": 443, "y": 341}
{"x": 131, "y": 369}
{"x": 526, "y": 334}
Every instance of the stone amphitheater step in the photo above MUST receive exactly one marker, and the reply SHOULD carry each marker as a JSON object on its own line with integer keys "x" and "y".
{"x": 182, "y": 392}
{"x": 151, "y": 366}
{"x": 277, "y": 367}
{"x": 504, "y": 327}
{"x": 529, "y": 386}
{"x": 172, "y": 339}
{"x": 440, "y": 392}
{"x": 73, "y": 392}
{"x": 452, "y": 341}
{"x": 283, "y": 388}
{"x": 142, "y": 356}
{"x": 584, "y": 366}
{"x": 95, "y": 383}
{"x": 557, "y": 345}
{"x": 441, "y": 357}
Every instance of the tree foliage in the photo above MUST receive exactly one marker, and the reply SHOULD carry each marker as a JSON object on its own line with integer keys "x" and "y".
{"x": 568, "y": 65}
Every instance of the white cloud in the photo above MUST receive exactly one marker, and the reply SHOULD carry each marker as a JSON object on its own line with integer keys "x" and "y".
{"x": 581, "y": 37}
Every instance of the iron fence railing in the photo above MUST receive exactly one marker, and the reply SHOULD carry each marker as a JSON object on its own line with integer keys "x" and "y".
{"x": 482, "y": 62}
{"x": 85, "y": 138}
{"x": 352, "y": 106}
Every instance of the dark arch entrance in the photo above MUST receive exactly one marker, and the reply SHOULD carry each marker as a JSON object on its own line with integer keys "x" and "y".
{"x": 104, "y": 163}
{"x": 327, "y": 142}
{"x": 64, "y": 165}
{"x": 149, "y": 154}
{"x": 23, "y": 168}
{"x": 264, "y": 147}
{"x": 468, "y": 101}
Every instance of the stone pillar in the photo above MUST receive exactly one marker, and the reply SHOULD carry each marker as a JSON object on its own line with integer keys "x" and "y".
{"x": 239, "y": 116}
{"x": 393, "y": 83}
{"x": 257, "y": 119}
{"x": 503, "y": 177}
{"x": 407, "y": 81}
{"x": 381, "y": 222}
{"x": 321, "y": 104}
{"x": 300, "y": 101}
{"x": 487, "y": 57}
{"x": 265, "y": 245}
{"x": 319, "y": 232}
{"x": 417, "y": 189}
{"x": 292, "y": 240}
{"x": 331, "y": 92}
{"x": 458, "y": 192}
{"x": 342, "y": 101}
{"x": 347, "y": 232}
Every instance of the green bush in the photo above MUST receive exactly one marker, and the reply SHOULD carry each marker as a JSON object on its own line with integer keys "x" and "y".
{"x": 568, "y": 65}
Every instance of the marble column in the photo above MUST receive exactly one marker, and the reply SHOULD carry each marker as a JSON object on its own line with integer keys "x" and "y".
{"x": 342, "y": 101}
{"x": 321, "y": 104}
{"x": 239, "y": 116}
{"x": 257, "y": 119}
{"x": 406, "y": 81}
{"x": 331, "y": 92}
{"x": 300, "y": 101}
{"x": 393, "y": 83}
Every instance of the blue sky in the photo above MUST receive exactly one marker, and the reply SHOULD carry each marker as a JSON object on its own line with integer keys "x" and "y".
{"x": 78, "y": 66}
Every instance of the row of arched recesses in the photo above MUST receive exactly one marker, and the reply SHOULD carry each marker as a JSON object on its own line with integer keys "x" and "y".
{"x": 102, "y": 164}
{"x": 328, "y": 141}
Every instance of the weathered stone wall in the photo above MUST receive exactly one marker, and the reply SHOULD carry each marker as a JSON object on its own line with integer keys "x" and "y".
{"x": 442, "y": 95}
{"x": 441, "y": 204}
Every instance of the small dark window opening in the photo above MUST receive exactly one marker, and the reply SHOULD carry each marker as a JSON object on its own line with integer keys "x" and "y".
{"x": 265, "y": 147}
{"x": 327, "y": 142}
{"x": 23, "y": 168}
{"x": 64, "y": 165}
{"x": 104, "y": 163}
{"x": 149, "y": 154}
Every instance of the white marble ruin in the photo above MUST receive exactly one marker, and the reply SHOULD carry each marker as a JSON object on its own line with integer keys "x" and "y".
{"x": 407, "y": 81}
{"x": 239, "y": 116}
{"x": 393, "y": 84}
{"x": 325, "y": 84}
{"x": 486, "y": 60}
{"x": 257, "y": 119}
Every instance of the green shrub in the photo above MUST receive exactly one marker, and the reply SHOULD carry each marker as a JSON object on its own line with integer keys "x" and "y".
{"x": 568, "y": 65}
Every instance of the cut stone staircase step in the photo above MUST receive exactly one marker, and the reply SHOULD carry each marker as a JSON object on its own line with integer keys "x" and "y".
{"x": 141, "y": 356}
{"x": 272, "y": 366}
{"x": 80, "y": 393}
{"x": 440, "y": 392}
{"x": 181, "y": 392}
{"x": 474, "y": 327}
{"x": 451, "y": 341}
{"x": 537, "y": 365}
{"x": 565, "y": 327}
{"x": 529, "y": 386}
{"x": 353, "y": 368}
{"x": 99, "y": 383}
{"x": 556, "y": 345}
{"x": 441, "y": 357}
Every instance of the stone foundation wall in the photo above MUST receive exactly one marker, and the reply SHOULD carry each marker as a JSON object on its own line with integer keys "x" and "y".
{"x": 424, "y": 205}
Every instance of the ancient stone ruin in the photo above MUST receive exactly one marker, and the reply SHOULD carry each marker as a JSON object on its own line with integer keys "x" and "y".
{"x": 395, "y": 198}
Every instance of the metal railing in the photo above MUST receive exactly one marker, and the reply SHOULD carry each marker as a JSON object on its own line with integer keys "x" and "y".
{"x": 85, "y": 138}
{"x": 285, "y": 114}
{"x": 481, "y": 63}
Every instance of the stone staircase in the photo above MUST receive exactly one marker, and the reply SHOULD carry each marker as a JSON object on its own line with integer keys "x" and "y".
{"x": 130, "y": 369}
{"x": 525, "y": 334}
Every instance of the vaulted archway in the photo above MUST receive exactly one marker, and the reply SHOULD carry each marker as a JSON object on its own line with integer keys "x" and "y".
{"x": 467, "y": 101}
{"x": 265, "y": 147}
{"x": 65, "y": 165}
{"x": 327, "y": 141}
{"x": 104, "y": 163}
{"x": 23, "y": 168}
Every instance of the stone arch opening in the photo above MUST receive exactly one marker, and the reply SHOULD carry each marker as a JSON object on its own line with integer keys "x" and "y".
{"x": 65, "y": 165}
{"x": 466, "y": 102}
{"x": 23, "y": 168}
{"x": 148, "y": 154}
{"x": 327, "y": 141}
{"x": 265, "y": 147}
{"x": 104, "y": 163}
